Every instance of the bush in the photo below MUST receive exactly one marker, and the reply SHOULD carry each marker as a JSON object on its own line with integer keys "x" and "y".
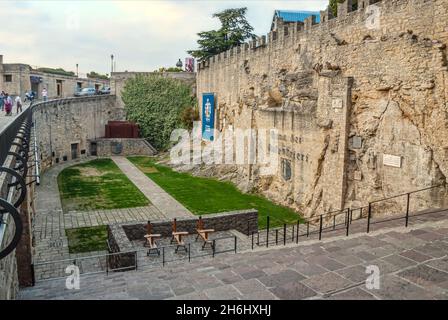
{"x": 156, "y": 104}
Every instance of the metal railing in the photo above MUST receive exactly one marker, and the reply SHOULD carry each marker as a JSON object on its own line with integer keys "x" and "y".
{"x": 138, "y": 259}
{"x": 341, "y": 221}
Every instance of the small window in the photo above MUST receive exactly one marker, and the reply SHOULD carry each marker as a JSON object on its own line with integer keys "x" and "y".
{"x": 286, "y": 169}
{"x": 57, "y": 160}
{"x": 64, "y": 158}
{"x": 8, "y": 77}
{"x": 83, "y": 151}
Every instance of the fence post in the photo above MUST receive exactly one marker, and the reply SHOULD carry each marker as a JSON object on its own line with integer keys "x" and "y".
{"x": 297, "y": 231}
{"x": 348, "y": 224}
{"x": 369, "y": 215}
{"x": 33, "y": 275}
{"x": 334, "y": 222}
{"x": 320, "y": 228}
{"x": 307, "y": 228}
{"x": 236, "y": 243}
{"x": 136, "y": 262}
{"x": 252, "y": 240}
{"x": 407, "y": 209}
{"x": 292, "y": 234}
{"x": 267, "y": 232}
{"x": 284, "y": 234}
{"x": 276, "y": 236}
{"x": 189, "y": 252}
{"x": 351, "y": 216}
{"x": 214, "y": 247}
{"x": 163, "y": 256}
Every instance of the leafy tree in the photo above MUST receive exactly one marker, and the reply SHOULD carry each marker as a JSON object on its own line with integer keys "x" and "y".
{"x": 96, "y": 75}
{"x": 334, "y": 5}
{"x": 188, "y": 116}
{"x": 156, "y": 104}
{"x": 235, "y": 30}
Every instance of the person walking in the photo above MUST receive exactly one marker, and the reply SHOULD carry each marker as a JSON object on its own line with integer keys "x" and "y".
{"x": 18, "y": 104}
{"x": 45, "y": 94}
{"x": 8, "y": 104}
{"x": 2, "y": 101}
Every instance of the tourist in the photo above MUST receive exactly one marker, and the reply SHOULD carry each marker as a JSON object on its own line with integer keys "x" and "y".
{"x": 2, "y": 100}
{"x": 8, "y": 104}
{"x": 45, "y": 94}
{"x": 18, "y": 104}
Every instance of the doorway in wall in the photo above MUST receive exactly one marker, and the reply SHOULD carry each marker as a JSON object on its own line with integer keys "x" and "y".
{"x": 59, "y": 88}
{"x": 93, "y": 149}
{"x": 75, "y": 150}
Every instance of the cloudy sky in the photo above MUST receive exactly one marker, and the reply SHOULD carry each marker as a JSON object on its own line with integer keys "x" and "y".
{"x": 143, "y": 35}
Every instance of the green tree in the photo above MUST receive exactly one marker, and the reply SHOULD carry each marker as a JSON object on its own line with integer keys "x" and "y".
{"x": 333, "y": 5}
{"x": 157, "y": 104}
{"x": 235, "y": 30}
{"x": 96, "y": 75}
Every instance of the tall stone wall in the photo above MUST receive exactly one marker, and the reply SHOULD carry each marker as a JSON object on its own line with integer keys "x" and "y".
{"x": 360, "y": 102}
{"x": 71, "y": 123}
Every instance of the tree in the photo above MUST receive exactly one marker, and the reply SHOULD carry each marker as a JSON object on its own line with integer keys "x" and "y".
{"x": 235, "y": 30}
{"x": 157, "y": 105}
{"x": 96, "y": 75}
{"x": 333, "y": 5}
{"x": 169, "y": 69}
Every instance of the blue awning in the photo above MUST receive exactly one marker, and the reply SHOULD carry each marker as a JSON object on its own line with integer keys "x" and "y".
{"x": 296, "y": 16}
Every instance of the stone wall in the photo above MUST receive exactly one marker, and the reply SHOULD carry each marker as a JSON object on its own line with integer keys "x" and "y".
{"x": 118, "y": 242}
{"x": 118, "y": 81}
{"x": 244, "y": 221}
{"x": 71, "y": 123}
{"x": 361, "y": 108}
{"x": 123, "y": 147}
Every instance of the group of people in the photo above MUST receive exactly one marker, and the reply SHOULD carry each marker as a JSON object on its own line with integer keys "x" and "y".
{"x": 6, "y": 103}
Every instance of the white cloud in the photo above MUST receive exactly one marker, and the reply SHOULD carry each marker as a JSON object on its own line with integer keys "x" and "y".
{"x": 143, "y": 35}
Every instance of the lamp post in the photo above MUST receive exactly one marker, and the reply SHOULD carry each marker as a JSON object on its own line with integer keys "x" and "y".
{"x": 77, "y": 74}
{"x": 179, "y": 64}
{"x": 111, "y": 64}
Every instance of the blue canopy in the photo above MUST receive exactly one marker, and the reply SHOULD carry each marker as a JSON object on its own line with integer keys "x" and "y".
{"x": 295, "y": 16}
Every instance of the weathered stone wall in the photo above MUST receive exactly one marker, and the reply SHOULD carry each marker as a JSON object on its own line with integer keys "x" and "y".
{"x": 244, "y": 221}
{"x": 344, "y": 96}
{"x": 118, "y": 81}
{"x": 63, "y": 123}
{"x": 118, "y": 242}
{"x": 123, "y": 147}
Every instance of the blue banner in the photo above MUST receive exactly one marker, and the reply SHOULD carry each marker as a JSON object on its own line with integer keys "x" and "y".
{"x": 208, "y": 116}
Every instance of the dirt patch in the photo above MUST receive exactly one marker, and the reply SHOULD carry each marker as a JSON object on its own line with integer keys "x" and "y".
{"x": 148, "y": 169}
{"x": 90, "y": 172}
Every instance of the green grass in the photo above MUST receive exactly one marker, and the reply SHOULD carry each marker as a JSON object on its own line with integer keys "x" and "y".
{"x": 98, "y": 184}
{"x": 87, "y": 239}
{"x": 206, "y": 195}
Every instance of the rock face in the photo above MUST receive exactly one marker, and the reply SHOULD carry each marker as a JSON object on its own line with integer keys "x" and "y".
{"x": 361, "y": 111}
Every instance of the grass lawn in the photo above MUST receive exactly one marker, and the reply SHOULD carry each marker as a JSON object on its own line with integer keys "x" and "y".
{"x": 206, "y": 195}
{"x": 86, "y": 239}
{"x": 98, "y": 184}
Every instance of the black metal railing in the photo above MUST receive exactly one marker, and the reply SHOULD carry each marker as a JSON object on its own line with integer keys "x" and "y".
{"x": 341, "y": 221}
{"x": 14, "y": 167}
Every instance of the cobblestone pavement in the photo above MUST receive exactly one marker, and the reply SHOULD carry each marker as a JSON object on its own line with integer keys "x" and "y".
{"x": 170, "y": 207}
{"x": 50, "y": 222}
{"x": 412, "y": 262}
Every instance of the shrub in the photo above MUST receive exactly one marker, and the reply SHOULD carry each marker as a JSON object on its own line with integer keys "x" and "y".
{"x": 156, "y": 104}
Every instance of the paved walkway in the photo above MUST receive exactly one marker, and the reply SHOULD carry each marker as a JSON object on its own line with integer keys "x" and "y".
{"x": 169, "y": 206}
{"x": 5, "y": 120}
{"x": 412, "y": 264}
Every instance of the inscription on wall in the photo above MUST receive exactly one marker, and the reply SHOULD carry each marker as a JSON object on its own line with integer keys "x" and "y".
{"x": 391, "y": 160}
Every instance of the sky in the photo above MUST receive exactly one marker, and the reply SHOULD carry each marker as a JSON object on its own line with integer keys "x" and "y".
{"x": 143, "y": 35}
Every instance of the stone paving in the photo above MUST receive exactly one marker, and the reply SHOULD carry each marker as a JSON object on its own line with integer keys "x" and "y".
{"x": 5, "y": 120}
{"x": 159, "y": 197}
{"x": 413, "y": 264}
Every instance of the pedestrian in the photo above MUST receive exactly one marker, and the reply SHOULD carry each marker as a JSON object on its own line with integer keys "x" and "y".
{"x": 45, "y": 94}
{"x": 2, "y": 101}
{"x": 18, "y": 104}
{"x": 8, "y": 104}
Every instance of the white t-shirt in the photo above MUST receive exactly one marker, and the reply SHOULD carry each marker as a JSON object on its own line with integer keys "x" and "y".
{"x": 18, "y": 100}
{"x": 44, "y": 93}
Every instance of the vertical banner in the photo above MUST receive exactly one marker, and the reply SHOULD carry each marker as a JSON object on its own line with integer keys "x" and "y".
{"x": 208, "y": 116}
{"x": 189, "y": 64}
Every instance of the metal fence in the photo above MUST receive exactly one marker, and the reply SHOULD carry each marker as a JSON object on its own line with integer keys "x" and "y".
{"x": 138, "y": 259}
{"x": 376, "y": 214}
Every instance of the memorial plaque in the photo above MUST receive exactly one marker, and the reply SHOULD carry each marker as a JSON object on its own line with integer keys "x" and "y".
{"x": 357, "y": 175}
{"x": 356, "y": 142}
{"x": 337, "y": 103}
{"x": 391, "y": 160}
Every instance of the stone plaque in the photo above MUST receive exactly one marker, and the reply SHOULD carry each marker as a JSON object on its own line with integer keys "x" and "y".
{"x": 336, "y": 103}
{"x": 356, "y": 142}
{"x": 357, "y": 175}
{"x": 391, "y": 160}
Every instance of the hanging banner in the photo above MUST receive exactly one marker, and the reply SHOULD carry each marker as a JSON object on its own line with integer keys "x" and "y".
{"x": 208, "y": 116}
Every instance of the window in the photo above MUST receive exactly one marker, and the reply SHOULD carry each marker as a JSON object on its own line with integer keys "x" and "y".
{"x": 8, "y": 77}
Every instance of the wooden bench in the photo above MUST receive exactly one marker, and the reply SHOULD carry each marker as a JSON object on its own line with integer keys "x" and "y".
{"x": 177, "y": 236}
{"x": 151, "y": 240}
{"x": 203, "y": 233}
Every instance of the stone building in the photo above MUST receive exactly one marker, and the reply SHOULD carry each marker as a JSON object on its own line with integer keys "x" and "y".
{"x": 17, "y": 78}
{"x": 360, "y": 103}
